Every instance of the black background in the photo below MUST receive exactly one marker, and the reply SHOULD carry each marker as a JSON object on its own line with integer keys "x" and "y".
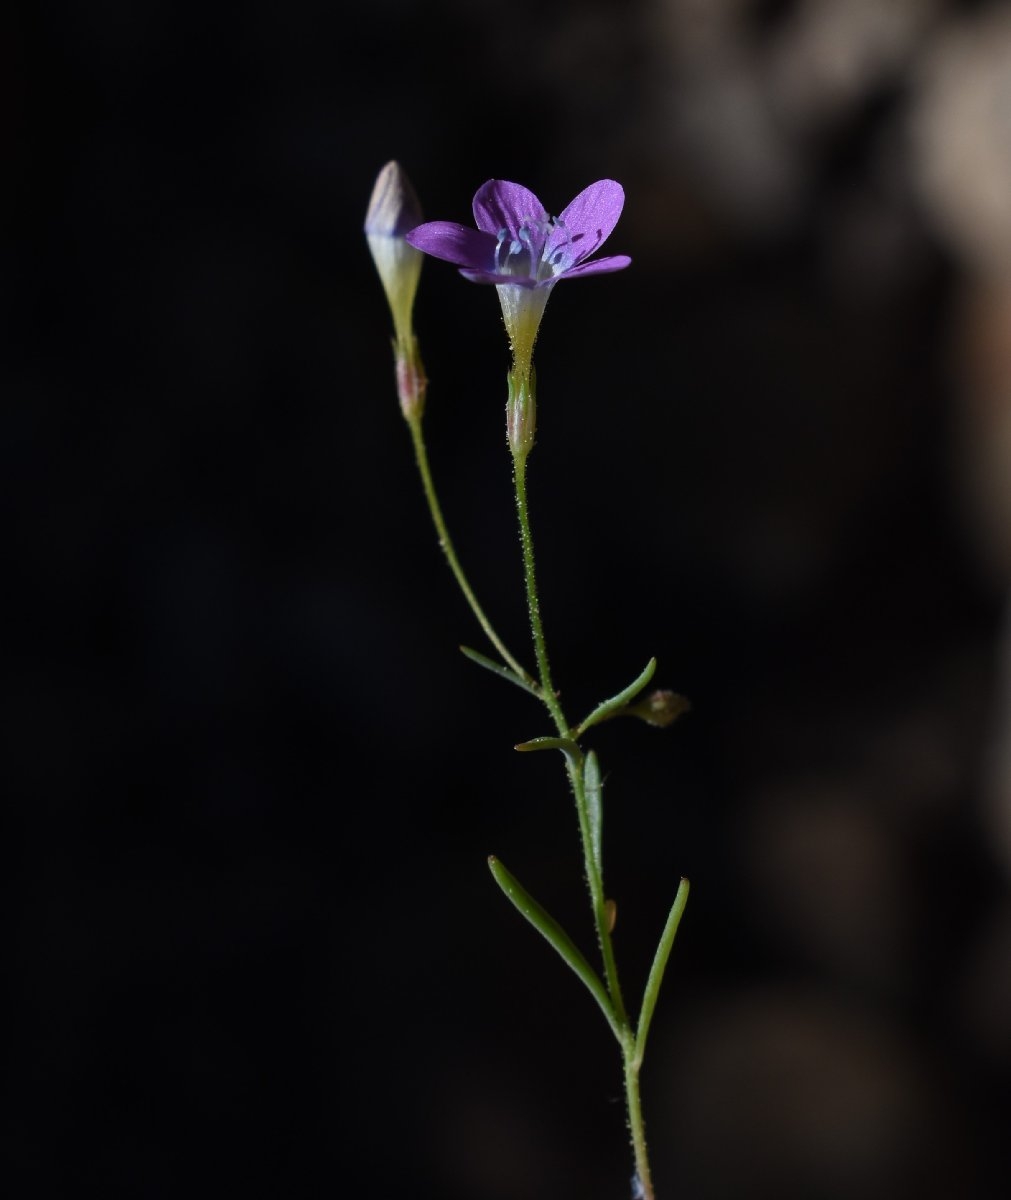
{"x": 253, "y": 946}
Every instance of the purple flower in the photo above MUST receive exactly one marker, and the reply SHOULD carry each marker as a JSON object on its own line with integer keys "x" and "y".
{"x": 517, "y": 243}
{"x": 524, "y": 253}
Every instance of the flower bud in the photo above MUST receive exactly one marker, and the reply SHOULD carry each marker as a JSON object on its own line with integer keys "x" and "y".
{"x": 411, "y": 381}
{"x": 521, "y": 412}
{"x": 661, "y": 707}
{"x": 393, "y": 212}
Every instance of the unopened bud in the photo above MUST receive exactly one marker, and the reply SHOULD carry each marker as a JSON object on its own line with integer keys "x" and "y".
{"x": 521, "y": 412}
{"x": 393, "y": 212}
{"x": 411, "y": 382}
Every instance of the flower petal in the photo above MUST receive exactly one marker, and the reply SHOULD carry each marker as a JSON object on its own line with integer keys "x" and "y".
{"x": 589, "y": 219}
{"x": 394, "y": 207}
{"x": 455, "y": 243}
{"x": 499, "y": 204}
{"x": 599, "y": 266}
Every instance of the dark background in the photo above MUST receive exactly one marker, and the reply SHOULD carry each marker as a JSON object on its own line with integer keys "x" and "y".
{"x": 252, "y": 943}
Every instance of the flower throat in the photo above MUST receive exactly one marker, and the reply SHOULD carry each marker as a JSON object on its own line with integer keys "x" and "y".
{"x": 539, "y": 251}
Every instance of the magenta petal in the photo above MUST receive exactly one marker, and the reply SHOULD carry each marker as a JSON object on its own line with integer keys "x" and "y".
{"x": 599, "y": 266}
{"x": 454, "y": 243}
{"x": 589, "y": 219}
{"x": 499, "y": 204}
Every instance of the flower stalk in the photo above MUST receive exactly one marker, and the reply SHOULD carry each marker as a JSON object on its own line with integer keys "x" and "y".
{"x": 449, "y": 550}
{"x": 533, "y": 600}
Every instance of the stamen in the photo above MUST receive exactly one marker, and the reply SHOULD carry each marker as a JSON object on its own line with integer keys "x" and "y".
{"x": 501, "y": 236}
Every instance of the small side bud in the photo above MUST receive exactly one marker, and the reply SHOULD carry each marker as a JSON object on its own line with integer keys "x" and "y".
{"x": 393, "y": 212}
{"x": 521, "y": 412}
{"x": 659, "y": 708}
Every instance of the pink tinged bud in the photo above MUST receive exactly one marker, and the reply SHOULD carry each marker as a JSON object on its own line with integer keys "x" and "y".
{"x": 411, "y": 383}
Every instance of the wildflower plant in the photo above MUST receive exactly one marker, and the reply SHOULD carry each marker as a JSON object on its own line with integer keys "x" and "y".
{"x": 524, "y": 253}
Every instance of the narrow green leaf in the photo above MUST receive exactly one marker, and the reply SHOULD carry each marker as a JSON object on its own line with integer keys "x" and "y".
{"x": 490, "y": 664}
{"x": 549, "y": 928}
{"x": 595, "y": 808}
{"x": 610, "y": 708}
{"x": 656, "y": 971}
{"x": 567, "y": 747}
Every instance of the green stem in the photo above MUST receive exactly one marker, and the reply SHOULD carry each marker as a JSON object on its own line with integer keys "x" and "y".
{"x": 636, "y": 1125}
{"x": 446, "y": 543}
{"x": 630, "y": 1043}
{"x": 533, "y": 604}
{"x": 593, "y": 877}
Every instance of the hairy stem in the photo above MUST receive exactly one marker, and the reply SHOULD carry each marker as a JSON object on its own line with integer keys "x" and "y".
{"x": 533, "y": 603}
{"x": 636, "y": 1125}
{"x": 594, "y": 879}
{"x": 446, "y": 543}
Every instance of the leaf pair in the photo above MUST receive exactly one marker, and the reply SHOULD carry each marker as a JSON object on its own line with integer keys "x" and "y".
{"x": 549, "y": 928}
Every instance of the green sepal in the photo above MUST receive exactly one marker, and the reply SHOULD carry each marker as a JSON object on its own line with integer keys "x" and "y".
{"x": 549, "y": 929}
{"x": 611, "y": 708}
{"x": 594, "y": 788}
{"x": 490, "y": 664}
{"x": 656, "y": 971}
